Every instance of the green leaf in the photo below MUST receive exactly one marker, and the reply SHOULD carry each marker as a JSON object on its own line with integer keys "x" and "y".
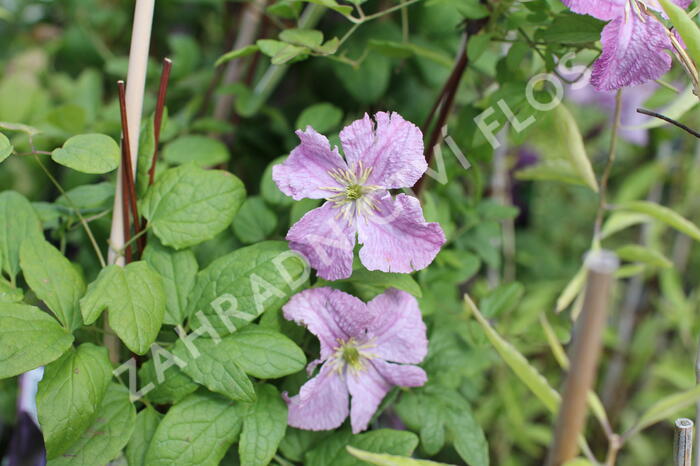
{"x": 189, "y": 205}
{"x": 374, "y": 282}
{"x": 145, "y": 426}
{"x": 69, "y": 118}
{"x": 567, "y": 129}
{"x": 200, "y": 150}
{"x": 213, "y": 366}
{"x": 309, "y": 38}
{"x": 89, "y": 153}
{"x": 537, "y": 384}
{"x": 282, "y": 52}
{"x": 388, "y": 460}
{"x": 53, "y": 279}
{"x": 333, "y": 5}
{"x": 571, "y": 28}
{"x": 135, "y": 298}
{"x": 264, "y": 425}
{"x": 637, "y": 253}
{"x": 110, "y": 431}
{"x": 238, "y": 53}
{"x": 572, "y": 290}
{"x": 245, "y": 283}
{"x": 264, "y": 353}
{"x": 502, "y": 299}
{"x": 332, "y": 450}
{"x": 8, "y": 292}
{"x": 686, "y": 27}
{"x": 195, "y": 432}
{"x": 663, "y": 214}
{"x": 70, "y": 394}
{"x": 477, "y": 46}
{"x": 30, "y": 338}
{"x": 173, "y": 387}
{"x": 665, "y": 408}
{"x": 619, "y": 221}
{"x": 254, "y": 221}
{"x": 18, "y": 221}
{"x": 177, "y": 270}
{"x": 397, "y": 49}
{"x": 6, "y": 148}
{"x": 322, "y": 117}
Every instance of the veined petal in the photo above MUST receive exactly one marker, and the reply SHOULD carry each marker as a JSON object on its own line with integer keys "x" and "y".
{"x": 393, "y": 150}
{"x": 398, "y": 331}
{"x": 306, "y": 171}
{"x": 367, "y": 387}
{"x": 396, "y": 238}
{"x": 601, "y": 9}
{"x": 322, "y": 402}
{"x": 633, "y": 53}
{"x": 402, "y": 375}
{"x": 326, "y": 240}
{"x": 330, "y": 314}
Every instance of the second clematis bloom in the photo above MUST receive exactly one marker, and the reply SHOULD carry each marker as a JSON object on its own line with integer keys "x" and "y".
{"x": 635, "y": 44}
{"x": 378, "y": 157}
{"x": 366, "y": 349}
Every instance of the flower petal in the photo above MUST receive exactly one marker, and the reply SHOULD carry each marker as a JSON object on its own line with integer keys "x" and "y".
{"x": 601, "y": 9}
{"x": 633, "y": 53}
{"x": 398, "y": 330}
{"x": 394, "y": 149}
{"x": 322, "y": 402}
{"x": 326, "y": 241}
{"x": 397, "y": 238}
{"x": 401, "y": 375}
{"x": 367, "y": 387}
{"x": 305, "y": 172}
{"x": 330, "y": 314}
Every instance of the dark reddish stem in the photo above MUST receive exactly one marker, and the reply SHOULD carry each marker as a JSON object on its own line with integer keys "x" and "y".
{"x": 125, "y": 210}
{"x": 445, "y": 100}
{"x": 158, "y": 118}
{"x": 129, "y": 189}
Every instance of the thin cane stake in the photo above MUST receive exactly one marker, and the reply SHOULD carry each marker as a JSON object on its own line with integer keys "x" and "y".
{"x": 585, "y": 350}
{"x": 683, "y": 442}
{"x": 158, "y": 117}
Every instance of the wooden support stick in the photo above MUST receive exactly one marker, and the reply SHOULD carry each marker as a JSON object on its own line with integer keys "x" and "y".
{"x": 584, "y": 353}
{"x": 683, "y": 442}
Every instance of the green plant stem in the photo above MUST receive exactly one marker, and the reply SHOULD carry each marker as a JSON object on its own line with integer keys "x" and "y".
{"x": 83, "y": 222}
{"x": 133, "y": 239}
{"x": 603, "y": 189}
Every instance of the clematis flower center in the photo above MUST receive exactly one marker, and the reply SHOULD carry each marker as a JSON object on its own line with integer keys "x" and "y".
{"x": 351, "y": 197}
{"x": 352, "y": 355}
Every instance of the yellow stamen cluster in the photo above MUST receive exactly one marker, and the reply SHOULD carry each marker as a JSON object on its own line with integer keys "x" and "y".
{"x": 352, "y": 355}
{"x": 351, "y": 197}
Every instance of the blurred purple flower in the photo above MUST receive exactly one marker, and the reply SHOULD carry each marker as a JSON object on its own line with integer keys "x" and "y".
{"x": 632, "y": 98}
{"x": 357, "y": 342}
{"x": 393, "y": 231}
{"x": 634, "y": 44}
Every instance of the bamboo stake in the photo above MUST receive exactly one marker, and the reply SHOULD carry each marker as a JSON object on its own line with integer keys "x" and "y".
{"x": 683, "y": 442}
{"x": 136, "y": 81}
{"x": 584, "y": 353}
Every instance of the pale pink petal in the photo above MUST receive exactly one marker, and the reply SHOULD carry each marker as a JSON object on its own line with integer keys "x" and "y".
{"x": 396, "y": 238}
{"x": 330, "y": 314}
{"x": 398, "y": 332}
{"x": 326, "y": 241}
{"x": 305, "y": 172}
{"x": 401, "y": 375}
{"x": 367, "y": 387}
{"x": 601, "y": 9}
{"x": 393, "y": 149}
{"x": 633, "y": 53}
{"x": 322, "y": 403}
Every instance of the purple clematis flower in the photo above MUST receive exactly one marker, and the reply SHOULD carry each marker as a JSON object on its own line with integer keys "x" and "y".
{"x": 393, "y": 231}
{"x": 357, "y": 341}
{"x": 634, "y": 43}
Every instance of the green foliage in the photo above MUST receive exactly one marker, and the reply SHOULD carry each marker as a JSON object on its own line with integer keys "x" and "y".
{"x": 89, "y": 153}
{"x": 264, "y": 424}
{"x": 30, "y": 338}
{"x": 185, "y": 193}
